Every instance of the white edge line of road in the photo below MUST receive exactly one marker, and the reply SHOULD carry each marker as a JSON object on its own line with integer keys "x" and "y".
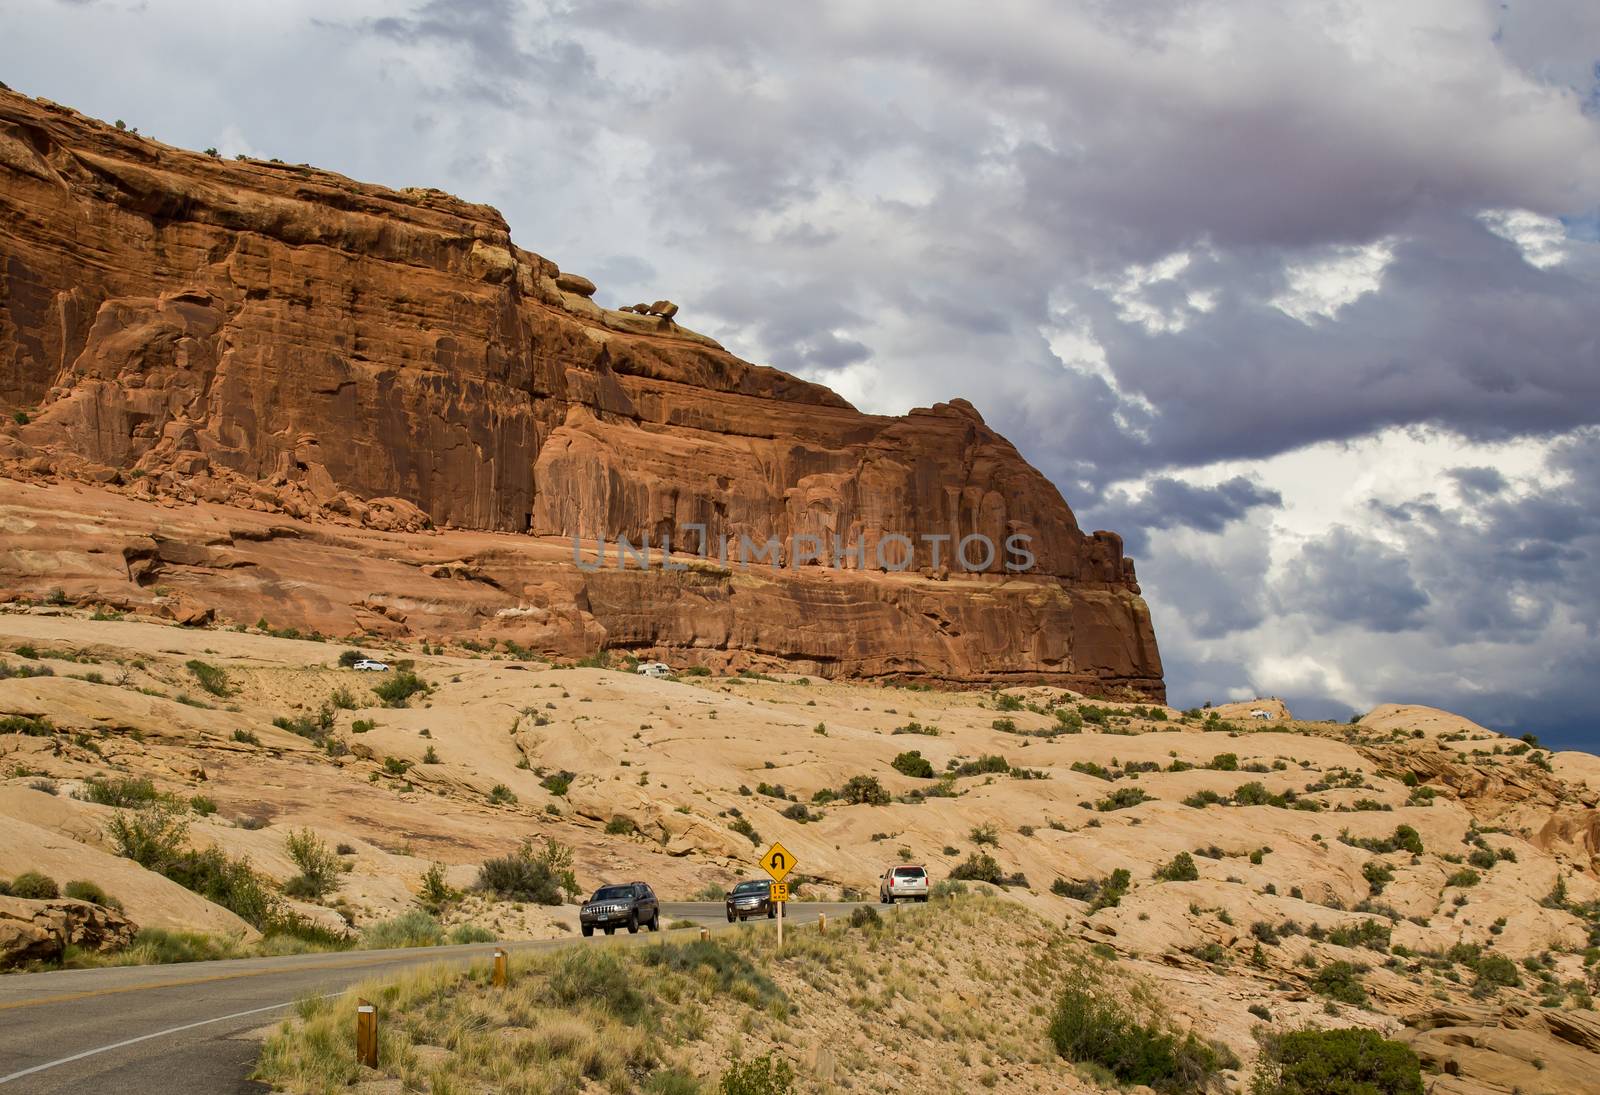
{"x": 155, "y": 1034}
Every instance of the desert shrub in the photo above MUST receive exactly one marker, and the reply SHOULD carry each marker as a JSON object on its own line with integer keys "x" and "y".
{"x": 597, "y": 979}
{"x": 1369, "y": 933}
{"x": 35, "y": 886}
{"x": 396, "y": 766}
{"x": 1090, "y": 768}
{"x": 501, "y": 795}
{"x": 212, "y": 678}
{"x": 1378, "y": 875}
{"x": 414, "y": 928}
{"x": 342, "y": 699}
{"x": 1464, "y": 877}
{"x": 152, "y": 837}
{"x": 124, "y": 791}
{"x": 398, "y": 689}
{"x": 1112, "y": 889}
{"x": 538, "y": 874}
{"x": 912, "y": 727}
{"x": 26, "y": 724}
{"x": 982, "y": 867}
{"x": 1340, "y": 981}
{"x": 988, "y": 764}
{"x": 1007, "y": 702}
{"x": 1122, "y": 798}
{"x": 1181, "y": 869}
{"x": 319, "y": 866}
{"x": 742, "y": 826}
{"x": 1349, "y": 1061}
{"x": 913, "y": 763}
{"x": 1084, "y": 890}
{"x": 864, "y": 791}
{"x": 558, "y": 783}
{"x": 984, "y": 834}
{"x": 471, "y": 933}
{"x": 865, "y": 916}
{"x": 348, "y": 658}
{"x": 1405, "y": 839}
{"x": 620, "y": 826}
{"x": 1201, "y": 799}
{"x": 81, "y": 889}
{"x": 764, "y": 1075}
{"x": 435, "y": 894}
{"x": 802, "y": 813}
{"x": 204, "y": 805}
{"x": 1224, "y": 762}
{"x": 246, "y": 737}
{"x": 1088, "y": 1026}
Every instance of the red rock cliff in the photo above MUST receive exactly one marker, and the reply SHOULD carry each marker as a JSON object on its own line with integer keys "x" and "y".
{"x": 279, "y": 338}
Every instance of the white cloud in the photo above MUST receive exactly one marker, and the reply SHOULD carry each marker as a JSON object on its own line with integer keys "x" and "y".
{"x": 1542, "y": 240}
{"x": 1320, "y": 287}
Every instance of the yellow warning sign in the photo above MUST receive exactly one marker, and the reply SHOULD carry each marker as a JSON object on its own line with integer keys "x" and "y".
{"x": 777, "y": 862}
{"x": 780, "y": 891}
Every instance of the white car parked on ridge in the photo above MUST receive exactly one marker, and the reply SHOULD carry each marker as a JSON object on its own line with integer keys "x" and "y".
{"x": 371, "y": 666}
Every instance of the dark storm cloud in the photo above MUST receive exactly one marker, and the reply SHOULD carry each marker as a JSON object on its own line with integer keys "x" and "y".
{"x": 1172, "y": 503}
{"x": 1348, "y": 578}
{"x": 1476, "y": 483}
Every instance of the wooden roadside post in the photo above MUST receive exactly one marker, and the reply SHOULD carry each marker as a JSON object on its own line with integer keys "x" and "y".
{"x": 366, "y": 1034}
{"x": 704, "y": 935}
{"x": 499, "y": 976}
{"x": 822, "y": 923}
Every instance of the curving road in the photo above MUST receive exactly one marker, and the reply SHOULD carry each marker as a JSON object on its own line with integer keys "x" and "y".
{"x": 193, "y": 1028}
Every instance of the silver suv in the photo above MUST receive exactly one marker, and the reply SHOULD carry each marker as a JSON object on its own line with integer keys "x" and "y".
{"x": 902, "y": 883}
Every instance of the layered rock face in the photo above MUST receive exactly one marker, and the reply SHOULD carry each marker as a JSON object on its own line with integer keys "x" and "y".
{"x": 280, "y": 339}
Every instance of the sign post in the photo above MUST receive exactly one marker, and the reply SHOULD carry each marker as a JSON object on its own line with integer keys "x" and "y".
{"x": 778, "y": 862}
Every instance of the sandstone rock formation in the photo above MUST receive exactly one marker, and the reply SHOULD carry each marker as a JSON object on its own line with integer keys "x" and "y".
{"x": 271, "y": 337}
{"x": 39, "y": 931}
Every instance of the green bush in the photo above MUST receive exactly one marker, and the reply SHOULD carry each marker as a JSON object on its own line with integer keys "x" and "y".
{"x": 1340, "y": 981}
{"x": 1122, "y": 798}
{"x": 865, "y": 916}
{"x": 414, "y": 928}
{"x": 212, "y": 678}
{"x": 501, "y": 795}
{"x": 764, "y": 1075}
{"x": 349, "y": 658}
{"x": 621, "y": 826}
{"x": 1181, "y": 869}
{"x": 1349, "y": 1061}
{"x": 319, "y": 866}
{"x": 742, "y": 826}
{"x": 1090, "y": 1027}
{"x": 597, "y": 978}
{"x": 558, "y": 783}
{"x": 913, "y": 763}
{"x": 399, "y": 688}
{"x": 83, "y": 890}
{"x": 435, "y": 893}
{"x": 471, "y": 933}
{"x": 864, "y": 791}
{"x": 1224, "y": 762}
{"x": 982, "y": 867}
{"x": 985, "y": 834}
{"x": 126, "y": 791}
{"x": 1464, "y": 877}
{"x": 152, "y": 837}
{"x": 988, "y": 764}
{"x": 542, "y": 875}
{"x": 35, "y": 886}
{"x": 1111, "y": 891}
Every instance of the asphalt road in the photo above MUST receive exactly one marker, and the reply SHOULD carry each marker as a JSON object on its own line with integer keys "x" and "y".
{"x": 194, "y": 1028}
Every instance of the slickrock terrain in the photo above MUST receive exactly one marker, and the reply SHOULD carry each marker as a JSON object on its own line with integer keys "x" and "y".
{"x": 1412, "y": 873}
{"x": 333, "y": 361}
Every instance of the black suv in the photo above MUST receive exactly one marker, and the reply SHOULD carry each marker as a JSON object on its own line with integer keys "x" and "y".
{"x": 625, "y": 906}
{"x": 751, "y": 899}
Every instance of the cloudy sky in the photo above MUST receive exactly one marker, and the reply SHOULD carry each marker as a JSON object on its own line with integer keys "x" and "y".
{"x": 1301, "y": 297}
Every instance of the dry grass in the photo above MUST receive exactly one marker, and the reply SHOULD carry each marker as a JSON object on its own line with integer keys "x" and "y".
{"x": 937, "y": 997}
